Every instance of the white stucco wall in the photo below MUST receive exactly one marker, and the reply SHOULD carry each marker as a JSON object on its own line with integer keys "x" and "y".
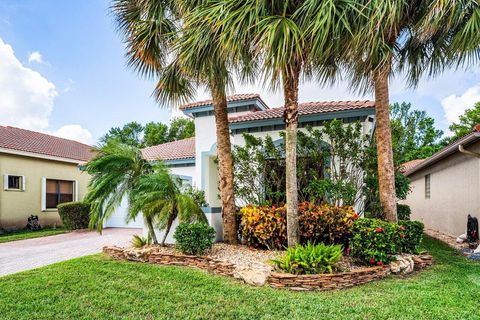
{"x": 455, "y": 193}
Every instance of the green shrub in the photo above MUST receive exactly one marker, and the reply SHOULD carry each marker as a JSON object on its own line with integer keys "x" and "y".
{"x": 403, "y": 212}
{"x": 74, "y": 215}
{"x": 194, "y": 238}
{"x": 266, "y": 227}
{"x": 374, "y": 241}
{"x": 310, "y": 259}
{"x": 411, "y": 236}
{"x": 139, "y": 241}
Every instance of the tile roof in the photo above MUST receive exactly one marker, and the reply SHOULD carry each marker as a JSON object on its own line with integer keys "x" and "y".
{"x": 40, "y": 143}
{"x": 181, "y": 149}
{"x": 307, "y": 108}
{"x": 404, "y": 167}
{"x": 235, "y": 97}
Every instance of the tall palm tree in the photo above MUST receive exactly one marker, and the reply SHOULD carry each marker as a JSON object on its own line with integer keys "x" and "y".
{"x": 153, "y": 29}
{"x": 280, "y": 35}
{"x": 158, "y": 196}
{"x": 115, "y": 171}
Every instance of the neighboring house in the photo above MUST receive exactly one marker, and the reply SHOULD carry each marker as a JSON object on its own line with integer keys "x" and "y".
{"x": 38, "y": 172}
{"x": 193, "y": 159}
{"x": 445, "y": 188}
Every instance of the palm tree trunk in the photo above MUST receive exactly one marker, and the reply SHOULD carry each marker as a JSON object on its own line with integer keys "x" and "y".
{"x": 169, "y": 226}
{"x": 290, "y": 91}
{"x": 386, "y": 173}
{"x": 151, "y": 230}
{"x": 225, "y": 162}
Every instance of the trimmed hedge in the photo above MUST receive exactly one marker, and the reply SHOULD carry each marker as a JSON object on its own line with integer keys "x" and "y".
{"x": 74, "y": 215}
{"x": 375, "y": 241}
{"x": 403, "y": 212}
{"x": 194, "y": 238}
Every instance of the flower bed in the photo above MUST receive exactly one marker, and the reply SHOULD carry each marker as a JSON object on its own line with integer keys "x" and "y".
{"x": 251, "y": 266}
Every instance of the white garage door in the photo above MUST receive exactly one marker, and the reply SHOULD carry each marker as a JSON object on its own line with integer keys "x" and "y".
{"x": 117, "y": 220}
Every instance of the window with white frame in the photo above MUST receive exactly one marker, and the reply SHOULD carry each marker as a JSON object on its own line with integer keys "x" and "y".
{"x": 427, "y": 187}
{"x": 57, "y": 191}
{"x": 13, "y": 182}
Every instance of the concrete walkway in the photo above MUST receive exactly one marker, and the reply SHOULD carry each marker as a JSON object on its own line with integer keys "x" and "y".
{"x": 28, "y": 254}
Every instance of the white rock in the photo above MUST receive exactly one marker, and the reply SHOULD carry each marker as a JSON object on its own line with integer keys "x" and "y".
{"x": 256, "y": 277}
{"x": 403, "y": 264}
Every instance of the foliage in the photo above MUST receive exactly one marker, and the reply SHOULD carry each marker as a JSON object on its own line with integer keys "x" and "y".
{"x": 466, "y": 122}
{"x": 153, "y": 133}
{"x": 412, "y": 232}
{"x": 309, "y": 259}
{"x": 139, "y": 241}
{"x": 403, "y": 212}
{"x": 74, "y": 215}
{"x": 375, "y": 241}
{"x": 198, "y": 196}
{"x": 158, "y": 196}
{"x": 194, "y": 238}
{"x": 329, "y": 163}
{"x": 265, "y": 226}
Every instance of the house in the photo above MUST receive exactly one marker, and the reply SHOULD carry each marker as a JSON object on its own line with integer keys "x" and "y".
{"x": 445, "y": 188}
{"x": 38, "y": 172}
{"x": 193, "y": 159}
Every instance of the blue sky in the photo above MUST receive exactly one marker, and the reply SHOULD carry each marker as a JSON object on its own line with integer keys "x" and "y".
{"x": 63, "y": 71}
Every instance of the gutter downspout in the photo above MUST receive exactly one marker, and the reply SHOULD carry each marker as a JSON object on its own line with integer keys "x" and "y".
{"x": 469, "y": 153}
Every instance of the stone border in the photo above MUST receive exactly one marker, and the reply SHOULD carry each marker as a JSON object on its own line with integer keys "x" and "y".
{"x": 306, "y": 282}
{"x": 319, "y": 282}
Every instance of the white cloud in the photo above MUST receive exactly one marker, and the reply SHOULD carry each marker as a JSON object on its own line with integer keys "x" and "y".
{"x": 26, "y": 97}
{"x": 455, "y": 105}
{"x": 35, "y": 57}
{"x": 74, "y": 132}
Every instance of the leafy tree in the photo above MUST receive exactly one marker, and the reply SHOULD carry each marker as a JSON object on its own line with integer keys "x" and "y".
{"x": 130, "y": 134}
{"x": 466, "y": 122}
{"x": 181, "y": 128}
{"x": 155, "y": 133}
{"x": 414, "y": 135}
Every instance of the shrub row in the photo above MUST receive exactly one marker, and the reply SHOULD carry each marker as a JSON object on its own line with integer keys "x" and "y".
{"x": 74, "y": 215}
{"x": 375, "y": 241}
{"x": 266, "y": 227}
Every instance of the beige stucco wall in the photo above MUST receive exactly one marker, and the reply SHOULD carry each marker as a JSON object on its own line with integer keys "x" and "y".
{"x": 16, "y": 206}
{"x": 455, "y": 193}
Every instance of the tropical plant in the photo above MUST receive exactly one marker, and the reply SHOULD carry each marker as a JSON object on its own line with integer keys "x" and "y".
{"x": 115, "y": 171}
{"x": 139, "y": 241}
{"x": 194, "y": 238}
{"x": 164, "y": 42}
{"x": 309, "y": 259}
{"x": 159, "y": 198}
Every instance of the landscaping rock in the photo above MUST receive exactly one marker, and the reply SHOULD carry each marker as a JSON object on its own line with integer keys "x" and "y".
{"x": 404, "y": 264}
{"x": 255, "y": 277}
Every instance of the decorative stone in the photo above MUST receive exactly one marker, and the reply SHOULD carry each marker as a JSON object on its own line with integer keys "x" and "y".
{"x": 403, "y": 264}
{"x": 255, "y": 277}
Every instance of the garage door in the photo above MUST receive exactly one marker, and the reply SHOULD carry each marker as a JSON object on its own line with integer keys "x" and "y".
{"x": 118, "y": 219}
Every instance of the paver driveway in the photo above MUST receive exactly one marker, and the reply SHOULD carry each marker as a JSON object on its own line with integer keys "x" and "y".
{"x": 27, "y": 254}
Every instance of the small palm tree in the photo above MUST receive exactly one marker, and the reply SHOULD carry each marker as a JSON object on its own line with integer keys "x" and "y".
{"x": 160, "y": 199}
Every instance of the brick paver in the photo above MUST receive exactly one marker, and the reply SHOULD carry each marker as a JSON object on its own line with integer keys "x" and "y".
{"x": 28, "y": 254}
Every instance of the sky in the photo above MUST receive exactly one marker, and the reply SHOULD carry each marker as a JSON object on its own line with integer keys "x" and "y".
{"x": 63, "y": 72}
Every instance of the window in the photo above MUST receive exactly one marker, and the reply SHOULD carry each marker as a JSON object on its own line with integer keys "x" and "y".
{"x": 14, "y": 182}
{"x": 427, "y": 186}
{"x": 57, "y": 192}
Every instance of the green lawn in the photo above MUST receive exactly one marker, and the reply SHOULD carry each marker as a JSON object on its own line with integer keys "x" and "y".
{"x": 27, "y": 234}
{"x": 96, "y": 287}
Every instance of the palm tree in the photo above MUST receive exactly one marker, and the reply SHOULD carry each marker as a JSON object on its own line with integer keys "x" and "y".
{"x": 115, "y": 171}
{"x": 154, "y": 33}
{"x": 280, "y": 35}
{"x": 160, "y": 199}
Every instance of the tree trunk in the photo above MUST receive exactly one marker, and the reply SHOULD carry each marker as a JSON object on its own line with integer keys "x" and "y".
{"x": 172, "y": 217}
{"x": 290, "y": 91}
{"x": 225, "y": 162}
{"x": 386, "y": 173}
{"x": 151, "y": 230}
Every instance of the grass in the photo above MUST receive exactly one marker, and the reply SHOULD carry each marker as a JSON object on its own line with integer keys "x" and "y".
{"x": 28, "y": 234}
{"x": 96, "y": 287}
